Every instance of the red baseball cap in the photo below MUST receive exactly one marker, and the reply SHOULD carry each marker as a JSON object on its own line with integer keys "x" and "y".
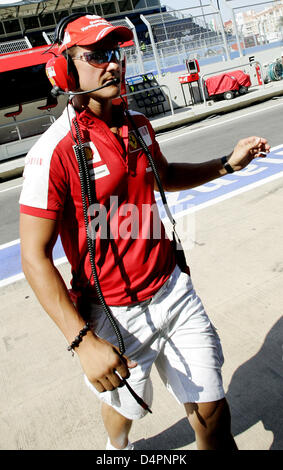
{"x": 89, "y": 29}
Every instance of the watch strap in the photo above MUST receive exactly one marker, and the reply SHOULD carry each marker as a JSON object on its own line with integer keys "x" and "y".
{"x": 226, "y": 165}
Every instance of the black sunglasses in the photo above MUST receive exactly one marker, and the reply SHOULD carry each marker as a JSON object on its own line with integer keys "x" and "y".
{"x": 101, "y": 58}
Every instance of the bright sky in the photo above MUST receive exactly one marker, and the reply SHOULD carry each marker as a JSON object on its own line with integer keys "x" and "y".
{"x": 180, "y": 4}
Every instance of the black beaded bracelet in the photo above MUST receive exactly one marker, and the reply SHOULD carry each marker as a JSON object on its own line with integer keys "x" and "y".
{"x": 79, "y": 338}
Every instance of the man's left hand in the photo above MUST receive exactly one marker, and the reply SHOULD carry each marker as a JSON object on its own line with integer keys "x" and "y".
{"x": 246, "y": 150}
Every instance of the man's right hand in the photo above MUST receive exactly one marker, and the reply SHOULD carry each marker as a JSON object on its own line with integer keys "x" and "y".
{"x": 102, "y": 363}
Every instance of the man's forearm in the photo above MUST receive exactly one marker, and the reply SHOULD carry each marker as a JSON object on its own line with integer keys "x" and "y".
{"x": 181, "y": 176}
{"x": 52, "y": 293}
{"x": 98, "y": 357}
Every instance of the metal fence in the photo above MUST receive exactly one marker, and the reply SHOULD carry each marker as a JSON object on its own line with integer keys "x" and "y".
{"x": 177, "y": 35}
{"x": 256, "y": 25}
{"x": 12, "y": 46}
{"x": 174, "y": 36}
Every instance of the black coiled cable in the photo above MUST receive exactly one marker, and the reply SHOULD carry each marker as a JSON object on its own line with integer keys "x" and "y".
{"x": 152, "y": 164}
{"x": 89, "y": 194}
{"x": 176, "y": 242}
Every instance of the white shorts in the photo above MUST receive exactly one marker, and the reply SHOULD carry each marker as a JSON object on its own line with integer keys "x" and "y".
{"x": 173, "y": 331}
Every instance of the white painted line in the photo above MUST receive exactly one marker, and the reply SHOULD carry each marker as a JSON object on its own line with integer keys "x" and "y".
{"x": 11, "y": 280}
{"x": 276, "y": 161}
{"x": 7, "y": 245}
{"x": 190, "y": 132}
{"x": 244, "y": 189}
{"x": 59, "y": 261}
{"x": 10, "y": 189}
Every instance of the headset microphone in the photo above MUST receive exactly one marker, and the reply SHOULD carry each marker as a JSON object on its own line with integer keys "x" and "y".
{"x": 56, "y": 90}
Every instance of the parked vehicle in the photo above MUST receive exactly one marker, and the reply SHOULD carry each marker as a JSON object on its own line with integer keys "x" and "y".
{"x": 221, "y": 86}
{"x": 243, "y": 79}
{"x": 228, "y": 85}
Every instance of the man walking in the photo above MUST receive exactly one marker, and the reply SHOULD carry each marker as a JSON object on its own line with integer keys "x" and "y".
{"x": 151, "y": 298}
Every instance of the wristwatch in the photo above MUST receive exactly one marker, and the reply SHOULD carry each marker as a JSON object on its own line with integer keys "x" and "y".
{"x": 226, "y": 165}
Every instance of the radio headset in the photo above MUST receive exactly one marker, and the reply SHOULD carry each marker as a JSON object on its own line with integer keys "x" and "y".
{"x": 61, "y": 70}
{"x": 63, "y": 75}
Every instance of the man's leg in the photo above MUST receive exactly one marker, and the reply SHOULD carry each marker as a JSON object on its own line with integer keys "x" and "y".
{"x": 116, "y": 425}
{"x": 212, "y": 425}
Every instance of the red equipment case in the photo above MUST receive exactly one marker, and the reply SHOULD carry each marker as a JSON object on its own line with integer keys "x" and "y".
{"x": 222, "y": 84}
{"x": 226, "y": 85}
{"x": 242, "y": 78}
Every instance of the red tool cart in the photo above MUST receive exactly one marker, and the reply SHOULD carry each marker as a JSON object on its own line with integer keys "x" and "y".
{"x": 222, "y": 86}
{"x": 243, "y": 79}
{"x": 228, "y": 85}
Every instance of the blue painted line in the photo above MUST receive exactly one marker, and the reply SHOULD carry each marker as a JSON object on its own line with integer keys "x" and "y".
{"x": 179, "y": 202}
{"x": 10, "y": 259}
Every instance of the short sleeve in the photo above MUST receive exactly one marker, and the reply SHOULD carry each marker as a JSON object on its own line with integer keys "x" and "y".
{"x": 45, "y": 184}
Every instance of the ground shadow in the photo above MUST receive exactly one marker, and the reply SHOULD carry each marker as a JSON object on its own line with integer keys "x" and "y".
{"x": 254, "y": 394}
{"x": 177, "y": 436}
{"x": 256, "y": 389}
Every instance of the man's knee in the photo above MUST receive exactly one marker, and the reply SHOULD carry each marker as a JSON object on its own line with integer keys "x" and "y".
{"x": 109, "y": 413}
{"x": 209, "y": 418}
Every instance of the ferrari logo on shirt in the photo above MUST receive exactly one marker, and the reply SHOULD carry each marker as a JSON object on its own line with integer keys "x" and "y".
{"x": 92, "y": 153}
{"x": 88, "y": 153}
{"x": 133, "y": 143}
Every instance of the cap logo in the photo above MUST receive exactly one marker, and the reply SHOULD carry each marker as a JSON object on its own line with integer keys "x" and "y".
{"x": 92, "y": 28}
{"x": 103, "y": 32}
{"x": 94, "y": 24}
{"x": 91, "y": 17}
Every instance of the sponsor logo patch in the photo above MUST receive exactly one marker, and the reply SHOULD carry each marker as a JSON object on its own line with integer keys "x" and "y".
{"x": 93, "y": 157}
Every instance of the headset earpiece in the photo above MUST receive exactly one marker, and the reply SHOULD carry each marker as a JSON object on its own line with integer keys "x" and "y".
{"x": 62, "y": 74}
{"x": 61, "y": 70}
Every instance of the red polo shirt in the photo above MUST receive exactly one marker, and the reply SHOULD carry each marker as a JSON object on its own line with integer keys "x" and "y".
{"x": 133, "y": 255}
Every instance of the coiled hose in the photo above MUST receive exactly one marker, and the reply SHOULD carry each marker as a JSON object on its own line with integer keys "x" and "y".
{"x": 275, "y": 71}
